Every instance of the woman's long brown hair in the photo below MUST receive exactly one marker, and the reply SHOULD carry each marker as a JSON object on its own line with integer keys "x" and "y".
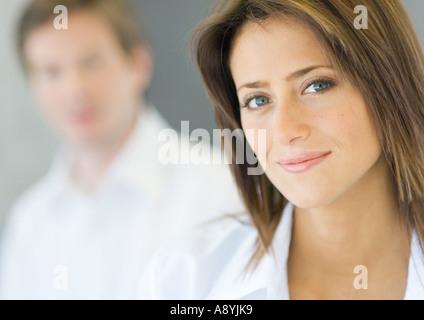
{"x": 384, "y": 61}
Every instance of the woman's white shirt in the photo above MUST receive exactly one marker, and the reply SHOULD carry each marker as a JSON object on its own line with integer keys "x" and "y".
{"x": 212, "y": 266}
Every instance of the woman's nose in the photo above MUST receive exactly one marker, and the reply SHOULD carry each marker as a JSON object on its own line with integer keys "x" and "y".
{"x": 290, "y": 124}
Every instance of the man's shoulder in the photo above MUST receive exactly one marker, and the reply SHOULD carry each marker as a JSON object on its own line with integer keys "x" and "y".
{"x": 25, "y": 215}
{"x": 33, "y": 197}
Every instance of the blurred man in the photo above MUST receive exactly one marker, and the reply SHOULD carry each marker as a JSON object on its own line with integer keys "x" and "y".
{"x": 88, "y": 228}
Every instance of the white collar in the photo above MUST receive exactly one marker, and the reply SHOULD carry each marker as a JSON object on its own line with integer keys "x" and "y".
{"x": 278, "y": 282}
{"x": 271, "y": 274}
{"x": 415, "y": 286}
{"x": 279, "y": 253}
{"x": 136, "y": 166}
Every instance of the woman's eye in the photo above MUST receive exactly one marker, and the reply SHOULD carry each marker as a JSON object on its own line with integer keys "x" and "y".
{"x": 257, "y": 102}
{"x": 318, "y": 86}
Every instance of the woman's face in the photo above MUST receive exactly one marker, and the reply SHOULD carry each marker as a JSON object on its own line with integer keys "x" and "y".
{"x": 320, "y": 138}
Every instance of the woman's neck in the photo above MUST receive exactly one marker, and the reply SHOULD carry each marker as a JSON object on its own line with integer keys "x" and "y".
{"x": 361, "y": 228}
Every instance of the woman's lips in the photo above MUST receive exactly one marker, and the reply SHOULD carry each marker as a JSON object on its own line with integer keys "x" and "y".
{"x": 303, "y": 162}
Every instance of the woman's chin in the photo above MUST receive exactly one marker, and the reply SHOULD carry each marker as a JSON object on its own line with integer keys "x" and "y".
{"x": 311, "y": 200}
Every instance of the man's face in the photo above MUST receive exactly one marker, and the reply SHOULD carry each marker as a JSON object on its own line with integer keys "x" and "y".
{"x": 87, "y": 87}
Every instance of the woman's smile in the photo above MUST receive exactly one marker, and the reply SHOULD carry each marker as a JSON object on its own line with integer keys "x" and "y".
{"x": 303, "y": 162}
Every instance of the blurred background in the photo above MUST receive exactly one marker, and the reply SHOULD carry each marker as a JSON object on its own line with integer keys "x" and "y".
{"x": 26, "y": 145}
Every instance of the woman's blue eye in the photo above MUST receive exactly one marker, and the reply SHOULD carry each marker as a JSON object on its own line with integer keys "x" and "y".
{"x": 257, "y": 102}
{"x": 318, "y": 86}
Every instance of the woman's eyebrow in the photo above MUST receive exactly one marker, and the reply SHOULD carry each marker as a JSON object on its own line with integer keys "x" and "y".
{"x": 292, "y": 76}
{"x": 254, "y": 85}
{"x": 303, "y": 72}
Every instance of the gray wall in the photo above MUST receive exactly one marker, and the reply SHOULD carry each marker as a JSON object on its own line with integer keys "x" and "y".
{"x": 26, "y": 146}
{"x": 176, "y": 89}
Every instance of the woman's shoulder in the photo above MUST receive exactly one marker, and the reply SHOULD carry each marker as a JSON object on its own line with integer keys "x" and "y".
{"x": 214, "y": 254}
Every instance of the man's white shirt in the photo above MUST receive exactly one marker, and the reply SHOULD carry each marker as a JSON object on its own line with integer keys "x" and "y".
{"x": 212, "y": 266}
{"x": 62, "y": 244}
